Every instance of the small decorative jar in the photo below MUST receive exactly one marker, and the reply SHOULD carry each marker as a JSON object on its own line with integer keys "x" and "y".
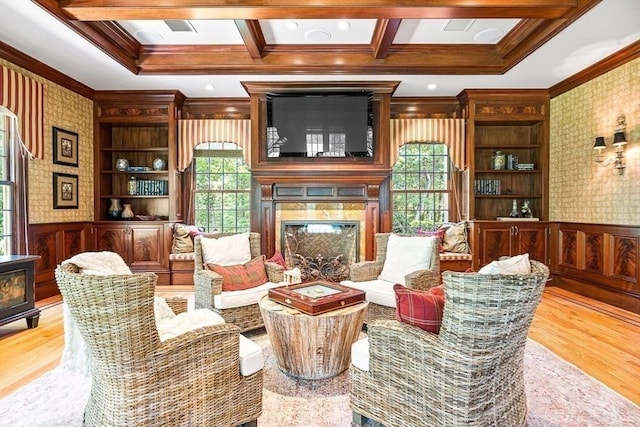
{"x": 115, "y": 209}
{"x": 499, "y": 161}
{"x": 127, "y": 212}
{"x": 122, "y": 164}
{"x": 132, "y": 186}
{"x": 159, "y": 164}
{"x": 526, "y": 210}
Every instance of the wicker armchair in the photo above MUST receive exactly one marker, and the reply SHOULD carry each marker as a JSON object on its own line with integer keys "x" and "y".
{"x": 192, "y": 379}
{"x": 208, "y": 285}
{"x": 367, "y": 271}
{"x": 470, "y": 374}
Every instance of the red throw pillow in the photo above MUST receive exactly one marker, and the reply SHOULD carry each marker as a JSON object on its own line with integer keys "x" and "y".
{"x": 244, "y": 276}
{"x": 423, "y": 309}
{"x": 439, "y": 233}
{"x": 277, "y": 258}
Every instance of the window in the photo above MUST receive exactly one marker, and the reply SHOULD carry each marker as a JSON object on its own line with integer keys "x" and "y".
{"x": 6, "y": 191}
{"x": 420, "y": 190}
{"x": 222, "y": 188}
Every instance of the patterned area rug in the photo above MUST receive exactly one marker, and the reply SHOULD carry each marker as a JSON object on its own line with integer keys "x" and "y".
{"x": 558, "y": 395}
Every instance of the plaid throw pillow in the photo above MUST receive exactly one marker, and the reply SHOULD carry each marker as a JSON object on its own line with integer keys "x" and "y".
{"x": 245, "y": 276}
{"x": 277, "y": 258}
{"x": 423, "y": 309}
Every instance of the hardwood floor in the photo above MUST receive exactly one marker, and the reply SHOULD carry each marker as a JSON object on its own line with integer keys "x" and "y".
{"x": 599, "y": 339}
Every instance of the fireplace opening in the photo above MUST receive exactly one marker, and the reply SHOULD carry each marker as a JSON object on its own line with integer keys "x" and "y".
{"x": 322, "y": 250}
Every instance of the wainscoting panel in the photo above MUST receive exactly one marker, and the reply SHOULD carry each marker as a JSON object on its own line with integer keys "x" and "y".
{"x": 599, "y": 261}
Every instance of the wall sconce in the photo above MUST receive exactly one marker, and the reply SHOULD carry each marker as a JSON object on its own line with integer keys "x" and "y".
{"x": 599, "y": 145}
{"x": 619, "y": 141}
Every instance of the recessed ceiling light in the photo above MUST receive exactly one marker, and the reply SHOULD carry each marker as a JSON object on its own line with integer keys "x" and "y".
{"x": 432, "y": 86}
{"x": 146, "y": 36}
{"x": 344, "y": 25}
{"x": 292, "y": 25}
{"x": 317, "y": 36}
{"x": 489, "y": 35}
{"x": 210, "y": 87}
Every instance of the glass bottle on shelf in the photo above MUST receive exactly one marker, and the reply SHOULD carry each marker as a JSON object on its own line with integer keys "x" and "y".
{"x": 514, "y": 209}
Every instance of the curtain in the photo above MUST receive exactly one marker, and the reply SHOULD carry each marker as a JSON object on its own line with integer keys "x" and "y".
{"x": 19, "y": 157}
{"x": 192, "y": 132}
{"x": 448, "y": 131}
{"x": 24, "y": 97}
{"x": 188, "y": 187}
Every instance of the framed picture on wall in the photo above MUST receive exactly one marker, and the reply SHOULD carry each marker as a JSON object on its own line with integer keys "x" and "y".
{"x": 65, "y": 147}
{"x": 65, "y": 191}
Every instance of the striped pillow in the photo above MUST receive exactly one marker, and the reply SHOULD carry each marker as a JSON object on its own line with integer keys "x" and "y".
{"x": 423, "y": 309}
{"x": 243, "y": 276}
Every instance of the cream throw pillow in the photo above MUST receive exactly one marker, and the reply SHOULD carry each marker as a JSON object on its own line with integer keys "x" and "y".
{"x": 227, "y": 250}
{"x": 406, "y": 254}
{"x": 518, "y": 264}
{"x": 455, "y": 238}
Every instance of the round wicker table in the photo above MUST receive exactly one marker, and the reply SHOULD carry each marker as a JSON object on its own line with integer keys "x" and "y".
{"x": 312, "y": 347}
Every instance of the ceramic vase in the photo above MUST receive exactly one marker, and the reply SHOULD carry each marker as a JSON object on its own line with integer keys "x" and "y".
{"x": 115, "y": 209}
{"x": 127, "y": 212}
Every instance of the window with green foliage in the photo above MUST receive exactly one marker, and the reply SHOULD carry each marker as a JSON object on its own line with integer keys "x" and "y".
{"x": 6, "y": 191}
{"x": 222, "y": 188}
{"x": 420, "y": 190}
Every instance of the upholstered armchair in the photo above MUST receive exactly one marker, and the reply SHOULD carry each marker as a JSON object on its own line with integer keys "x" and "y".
{"x": 239, "y": 307}
{"x": 194, "y": 378}
{"x": 471, "y": 373}
{"x": 366, "y": 276}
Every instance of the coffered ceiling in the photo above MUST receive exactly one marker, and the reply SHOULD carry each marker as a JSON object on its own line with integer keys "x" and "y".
{"x": 205, "y": 48}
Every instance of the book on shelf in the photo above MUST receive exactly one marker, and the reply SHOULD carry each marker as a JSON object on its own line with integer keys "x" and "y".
{"x": 508, "y": 218}
{"x": 491, "y": 187}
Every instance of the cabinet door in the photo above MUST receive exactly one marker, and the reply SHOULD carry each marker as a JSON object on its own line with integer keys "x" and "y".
{"x": 531, "y": 239}
{"x": 113, "y": 238}
{"x": 494, "y": 241}
{"x": 147, "y": 247}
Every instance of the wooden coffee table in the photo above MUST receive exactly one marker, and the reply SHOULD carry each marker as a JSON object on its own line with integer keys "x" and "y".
{"x": 312, "y": 347}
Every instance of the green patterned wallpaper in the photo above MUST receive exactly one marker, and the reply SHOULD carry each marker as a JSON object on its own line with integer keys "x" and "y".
{"x": 580, "y": 190}
{"x": 67, "y": 110}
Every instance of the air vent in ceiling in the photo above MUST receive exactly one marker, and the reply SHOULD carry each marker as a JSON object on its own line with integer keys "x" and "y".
{"x": 180, "y": 26}
{"x": 458, "y": 24}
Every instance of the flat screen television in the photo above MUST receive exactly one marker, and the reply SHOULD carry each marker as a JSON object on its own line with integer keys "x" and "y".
{"x": 320, "y": 125}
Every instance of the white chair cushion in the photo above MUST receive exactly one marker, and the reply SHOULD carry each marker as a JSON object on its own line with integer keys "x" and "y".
{"x": 406, "y": 254}
{"x": 518, "y": 264}
{"x": 242, "y": 298}
{"x": 360, "y": 354}
{"x": 376, "y": 291}
{"x": 251, "y": 360}
{"x": 161, "y": 310}
{"x": 187, "y": 321}
{"x": 227, "y": 250}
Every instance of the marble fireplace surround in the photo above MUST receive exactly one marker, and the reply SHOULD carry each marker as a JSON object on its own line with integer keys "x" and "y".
{"x": 318, "y": 202}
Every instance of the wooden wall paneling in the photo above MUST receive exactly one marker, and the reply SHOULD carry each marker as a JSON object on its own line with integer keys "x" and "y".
{"x": 594, "y": 252}
{"x": 600, "y": 261}
{"x": 625, "y": 257}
